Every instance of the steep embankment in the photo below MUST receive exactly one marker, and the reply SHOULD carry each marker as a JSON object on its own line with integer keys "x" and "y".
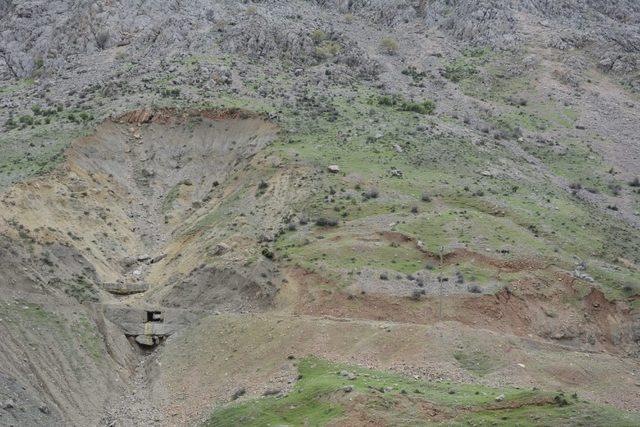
{"x": 122, "y": 229}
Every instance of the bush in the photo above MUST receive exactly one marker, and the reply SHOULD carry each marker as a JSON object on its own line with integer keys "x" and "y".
{"x": 475, "y": 289}
{"x": 576, "y": 186}
{"x": 417, "y": 294}
{"x": 267, "y": 253}
{"x": 425, "y": 107}
{"x": 387, "y": 100}
{"x": 326, "y": 222}
{"x": 318, "y": 36}
{"x": 328, "y": 49}
{"x": 458, "y": 71}
{"x": 10, "y": 123}
{"x": 26, "y": 120}
{"x": 171, "y": 92}
{"x": 389, "y": 46}
{"x": 413, "y": 72}
{"x": 102, "y": 39}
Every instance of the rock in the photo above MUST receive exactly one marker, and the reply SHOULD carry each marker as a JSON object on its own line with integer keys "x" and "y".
{"x": 128, "y": 262}
{"x": 397, "y": 148}
{"x": 125, "y": 288}
{"x": 9, "y": 404}
{"x": 143, "y": 258}
{"x": 500, "y": 398}
{"x": 333, "y": 168}
{"x": 44, "y": 409}
{"x": 347, "y": 388}
{"x": 396, "y": 173}
{"x": 239, "y": 393}
{"x": 158, "y": 258}
{"x": 348, "y": 375}
{"x": 272, "y": 392}
{"x": 583, "y": 276}
{"x": 220, "y": 249}
{"x": 145, "y": 340}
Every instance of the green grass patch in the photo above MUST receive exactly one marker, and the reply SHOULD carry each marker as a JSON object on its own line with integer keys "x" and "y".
{"x": 319, "y": 398}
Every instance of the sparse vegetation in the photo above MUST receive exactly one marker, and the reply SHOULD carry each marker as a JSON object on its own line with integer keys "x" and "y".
{"x": 389, "y": 46}
{"x": 322, "y": 395}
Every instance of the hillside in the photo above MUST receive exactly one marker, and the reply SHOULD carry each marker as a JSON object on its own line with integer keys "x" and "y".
{"x": 320, "y": 212}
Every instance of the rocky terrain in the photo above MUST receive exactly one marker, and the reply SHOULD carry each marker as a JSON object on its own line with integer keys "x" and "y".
{"x": 319, "y": 212}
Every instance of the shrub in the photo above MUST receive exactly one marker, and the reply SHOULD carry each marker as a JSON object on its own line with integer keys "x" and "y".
{"x": 615, "y": 189}
{"x": 459, "y": 70}
{"x": 389, "y": 46}
{"x": 328, "y": 49}
{"x": 102, "y": 39}
{"x": 388, "y": 100}
{"x": 575, "y": 186}
{"x": 475, "y": 289}
{"x": 417, "y": 294}
{"x": 425, "y": 107}
{"x": 413, "y": 72}
{"x": 171, "y": 92}
{"x": 267, "y": 253}
{"x": 26, "y": 120}
{"x": 10, "y": 123}
{"x": 635, "y": 182}
{"x": 326, "y": 222}
{"x": 318, "y": 36}
{"x": 425, "y": 197}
